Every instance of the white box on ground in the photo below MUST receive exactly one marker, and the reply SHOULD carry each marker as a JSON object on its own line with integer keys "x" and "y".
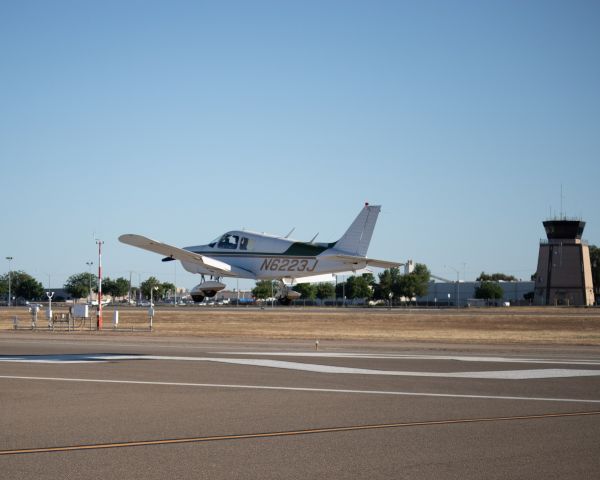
{"x": 81, "y": 311}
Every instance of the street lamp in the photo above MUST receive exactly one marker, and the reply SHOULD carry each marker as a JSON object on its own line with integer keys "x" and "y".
{"x": 9, "y": 272}
{"x": 89, "y": 264}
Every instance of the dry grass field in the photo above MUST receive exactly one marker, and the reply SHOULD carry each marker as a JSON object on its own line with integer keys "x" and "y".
{"x": 567, "y": 326}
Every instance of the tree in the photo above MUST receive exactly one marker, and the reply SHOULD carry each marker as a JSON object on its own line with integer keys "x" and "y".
{"x": 307, "y": 291}
{"x": 388, "y": 282}
{"x": 29, "y": 288}
{"x": 369, "y": 277}
{"x": 595, "y": 261}
{"x": 78, "y": 285}
{"x": 489, "y": 290}
{"x": 415, "y": 283}
{"x": 264, "y": 289}
{"x": 325, "y": 290}
{"x": 108, "y": 287}
{"x": 151, "y": 287}
{"x": 121, "y": 287}
{"x": 115, "y": 288}
{"x": 496, "y": 277}
{"x": 359, "y": 287}
{"x": 22, "y": 285}
{"x": 168, "y": 287}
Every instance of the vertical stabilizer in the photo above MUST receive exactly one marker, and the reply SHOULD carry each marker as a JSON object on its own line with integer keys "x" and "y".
{"x": 357, "y": 238}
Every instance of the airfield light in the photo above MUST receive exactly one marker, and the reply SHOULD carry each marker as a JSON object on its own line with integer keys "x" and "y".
{"x": 9, "y": 272}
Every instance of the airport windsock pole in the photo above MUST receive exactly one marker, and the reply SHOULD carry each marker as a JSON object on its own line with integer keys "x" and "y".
{"x": 99, "y": 242}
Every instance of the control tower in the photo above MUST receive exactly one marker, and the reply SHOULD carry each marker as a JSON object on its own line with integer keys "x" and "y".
{"x": 564, "y": 271}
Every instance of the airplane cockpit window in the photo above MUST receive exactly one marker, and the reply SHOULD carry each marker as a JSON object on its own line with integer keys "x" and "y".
{"x": 214, "y": 242}
{"x": 244, "y": 243}
{"x": 229, "y": 241}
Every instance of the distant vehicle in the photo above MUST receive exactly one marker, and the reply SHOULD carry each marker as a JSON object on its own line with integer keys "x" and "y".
{"x": 258, "y": 256}
{"x": 94, "y": 303}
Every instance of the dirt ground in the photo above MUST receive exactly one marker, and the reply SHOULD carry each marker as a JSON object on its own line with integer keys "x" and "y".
{"x": 567, "y": 326}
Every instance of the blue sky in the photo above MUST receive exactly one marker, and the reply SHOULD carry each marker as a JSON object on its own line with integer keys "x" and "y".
{"x": 181, "y": 120}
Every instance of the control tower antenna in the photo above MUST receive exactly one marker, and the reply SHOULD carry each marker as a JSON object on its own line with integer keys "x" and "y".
{"x": 562, "y": 213}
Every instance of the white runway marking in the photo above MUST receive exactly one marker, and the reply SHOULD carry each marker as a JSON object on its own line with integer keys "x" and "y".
{"x": 310, "y": 367}
{"x": 392, "y": 356}
{"x": 300, "y": 389}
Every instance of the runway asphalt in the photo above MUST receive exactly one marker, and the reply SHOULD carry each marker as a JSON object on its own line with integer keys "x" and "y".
{"x": 153, "y": 408}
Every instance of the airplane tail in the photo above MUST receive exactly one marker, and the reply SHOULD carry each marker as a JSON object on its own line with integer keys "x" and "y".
{"x": 357, "y": 238}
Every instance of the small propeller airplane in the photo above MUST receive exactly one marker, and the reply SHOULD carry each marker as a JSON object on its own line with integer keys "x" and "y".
{"x": 258, "y": 256}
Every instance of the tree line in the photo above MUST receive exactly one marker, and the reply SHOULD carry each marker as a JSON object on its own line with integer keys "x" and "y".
{"x": 80, "y": 285}
{"x": 364, "y": 286}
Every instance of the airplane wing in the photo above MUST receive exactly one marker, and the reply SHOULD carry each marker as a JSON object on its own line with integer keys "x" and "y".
{"x": 215, "y": 267}
{"x": 357, "y": 260}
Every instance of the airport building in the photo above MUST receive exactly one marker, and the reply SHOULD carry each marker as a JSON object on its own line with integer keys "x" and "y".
{"x": 463, "y": 293}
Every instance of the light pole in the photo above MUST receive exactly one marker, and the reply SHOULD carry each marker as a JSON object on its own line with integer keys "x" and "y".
{"x": 457, "y": 286}
{"x": 335, "y": 292}
{"x": 89, "y": 264}
{"x": 151, "y": 308}
{"x": 175, "y": 292}
{"x": 99, "y": 242}
{"x": 9, "y": 272}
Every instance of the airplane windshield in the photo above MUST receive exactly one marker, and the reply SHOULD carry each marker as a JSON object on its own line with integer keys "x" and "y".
{"x": 229, "y": 241}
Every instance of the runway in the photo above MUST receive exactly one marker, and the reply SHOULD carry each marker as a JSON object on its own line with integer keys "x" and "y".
{"x": 146, "y": 407}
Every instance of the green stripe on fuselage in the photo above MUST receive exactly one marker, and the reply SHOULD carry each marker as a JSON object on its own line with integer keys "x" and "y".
{"x": 297, "y": 249}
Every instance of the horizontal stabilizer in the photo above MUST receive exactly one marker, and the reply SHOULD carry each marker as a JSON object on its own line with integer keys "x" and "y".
{"x": 326, "y": 277}
{"x": 363, "y": 261}
{"x": 214, "y": 266}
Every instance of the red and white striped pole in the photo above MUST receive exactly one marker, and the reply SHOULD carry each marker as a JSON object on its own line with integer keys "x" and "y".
{"x": 99, "y": 242}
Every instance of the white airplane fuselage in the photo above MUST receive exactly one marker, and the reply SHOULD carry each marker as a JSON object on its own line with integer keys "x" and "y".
{"x": 265, "y": 257}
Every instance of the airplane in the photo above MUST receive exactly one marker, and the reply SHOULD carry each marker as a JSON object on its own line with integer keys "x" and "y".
{"x": 258, "y": 256}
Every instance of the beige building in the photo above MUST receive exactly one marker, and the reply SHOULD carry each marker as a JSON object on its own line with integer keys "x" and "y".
{"x": 564, "y": 271}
